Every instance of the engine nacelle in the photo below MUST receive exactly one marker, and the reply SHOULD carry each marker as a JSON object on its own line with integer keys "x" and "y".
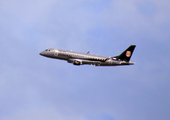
{"x": 75, "y": 62}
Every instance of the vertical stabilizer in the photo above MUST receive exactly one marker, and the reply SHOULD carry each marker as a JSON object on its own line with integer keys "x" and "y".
{"x": 126, "y": 55}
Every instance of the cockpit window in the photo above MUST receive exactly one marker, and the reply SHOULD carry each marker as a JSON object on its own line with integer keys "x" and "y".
{"x": 49, "y": 50}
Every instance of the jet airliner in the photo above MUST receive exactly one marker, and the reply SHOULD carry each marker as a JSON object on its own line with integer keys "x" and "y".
{"x": 77, "y": 58}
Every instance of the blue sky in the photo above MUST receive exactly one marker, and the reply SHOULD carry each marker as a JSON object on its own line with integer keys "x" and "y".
{"x": 36, "y": 88}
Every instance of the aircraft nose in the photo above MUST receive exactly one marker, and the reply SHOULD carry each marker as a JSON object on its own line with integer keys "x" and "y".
{"x": 42, "y": 53}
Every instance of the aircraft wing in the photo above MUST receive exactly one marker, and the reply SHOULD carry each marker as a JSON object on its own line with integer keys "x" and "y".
{"x": 81, "y": 62}
{"x": 90, "y": 62}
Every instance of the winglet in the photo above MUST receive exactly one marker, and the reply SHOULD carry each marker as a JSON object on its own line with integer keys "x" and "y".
{"x": 88, "y": 52}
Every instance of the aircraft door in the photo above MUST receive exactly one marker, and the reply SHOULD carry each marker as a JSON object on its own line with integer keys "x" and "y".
{"x": 56, "y": 53}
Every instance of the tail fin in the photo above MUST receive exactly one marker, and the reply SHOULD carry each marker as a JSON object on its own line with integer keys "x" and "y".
{"x": 126, "y": 55}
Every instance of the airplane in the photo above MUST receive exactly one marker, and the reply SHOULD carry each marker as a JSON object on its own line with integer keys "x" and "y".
{"x": 77, "y": 58}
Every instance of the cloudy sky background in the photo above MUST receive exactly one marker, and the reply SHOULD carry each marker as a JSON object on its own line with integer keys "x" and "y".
{"x": 36, "y": 88}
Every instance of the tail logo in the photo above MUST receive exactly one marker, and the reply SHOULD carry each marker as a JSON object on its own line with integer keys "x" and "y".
{"x": 128, "y": 53}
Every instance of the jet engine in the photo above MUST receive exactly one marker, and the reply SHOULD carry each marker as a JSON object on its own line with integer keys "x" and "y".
{"x": 75, "y": 61}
